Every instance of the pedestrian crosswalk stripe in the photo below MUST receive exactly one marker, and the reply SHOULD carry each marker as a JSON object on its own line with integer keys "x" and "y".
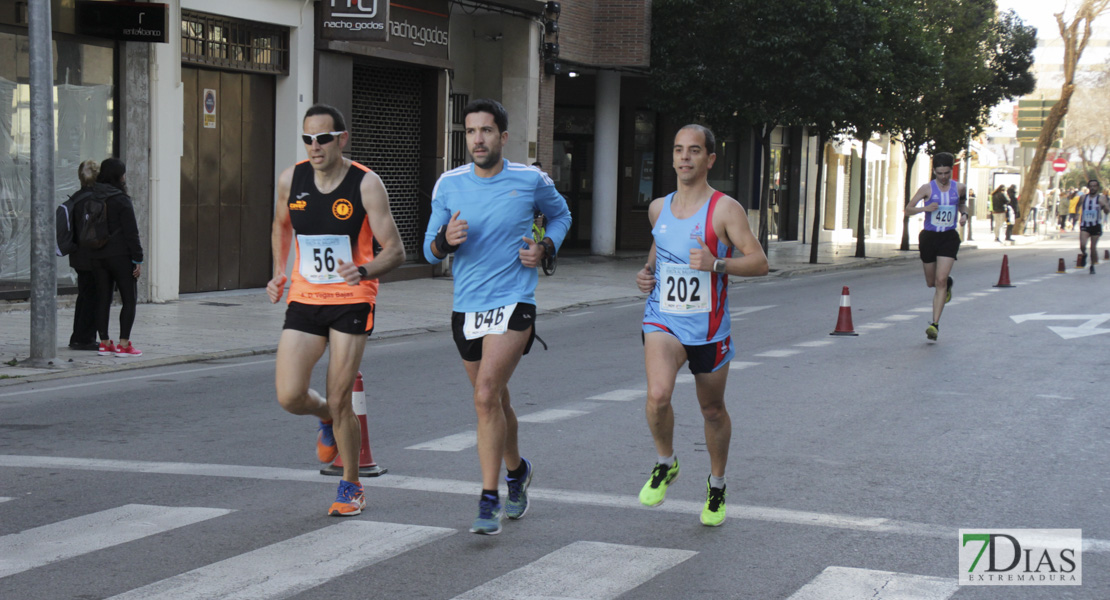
{"x": 845, "y": 582}
{"x": 290, "y": 567}
{"x": 72, "y": 537}
{"x": 450, "y": 443}
{"x": 620, "y": 395}
{"x": 551, "y": 415}
{"x": 582, "y": 570}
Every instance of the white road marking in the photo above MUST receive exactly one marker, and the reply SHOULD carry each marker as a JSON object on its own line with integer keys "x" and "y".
{"x": 288, "y": 568}
{"x": 582, "y": 570}
{"x": 922, "y": 309}
{"x": 73, "y": 537}
{"x": 1054, "y": 397}
{"x": 778, "y": 353}
{"x": 451, "y": 443}
{"x": 977, "y": 294}
{"x": 4, "y": 499}
{"x": 620, "y": 395}
{"x": 737, "y": 311}
{"x": 738, "y": 365}
{"x": 816, "y": 343}
{"x": 845, "y": 582}
{"x": 136, "y": 377}
{"x": 686, "y": 378}
{"x": 900, "y": 318}
{"x": 627, "y": 501}
{"x": 551, "y": 415}
{"x": 640, "y": 304}
{"x": 581, "y": 314}
{"x": 873, "y": 326}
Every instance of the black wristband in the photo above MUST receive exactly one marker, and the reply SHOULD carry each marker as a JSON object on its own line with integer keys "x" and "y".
{"x": 549, "y": 247}
{"x": 441, "y": 241}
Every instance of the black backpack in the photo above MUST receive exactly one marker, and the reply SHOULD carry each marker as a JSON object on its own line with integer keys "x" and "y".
{"x": 64, "y": 217}
{"x": 92, "y": 223}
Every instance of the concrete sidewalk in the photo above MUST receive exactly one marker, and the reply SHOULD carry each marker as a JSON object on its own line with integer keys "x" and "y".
{"x": 243, "y": 322}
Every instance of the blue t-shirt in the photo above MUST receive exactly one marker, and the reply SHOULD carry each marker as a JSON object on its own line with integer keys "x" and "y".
{"x": 498, "y": 211}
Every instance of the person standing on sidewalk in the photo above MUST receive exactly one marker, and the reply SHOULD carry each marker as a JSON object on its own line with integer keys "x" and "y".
{"x": 119, "y": 262}
{"x": 998, "y": 211}
{"x": 483, "y": 213}
{"x": 337, "y": 209}
{"x": 939, "y": 242}
{"x": 686, "y": 317}
{"x": 80, "y": 260}
{"x": 1091, "y": 209}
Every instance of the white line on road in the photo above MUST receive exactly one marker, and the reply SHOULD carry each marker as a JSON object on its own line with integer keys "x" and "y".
{"x": 640, "y": 304}
{"x": 72, "y": 537}
{"x": 451, "y": 443}
{"x": 619, "y": 395}
{"x": 845, "y": 582}
{"x": 778, "y": 353}
{"x": 394, "y": 481}
{"x": 288, "y": 568}
{"x": 551, "y": 415}
{"x": 738, "y": 365}
{"x": 149, "y": 376}
{"x": 922, "y": 309}
{"x": 582, "y": 570}
{"x": 1054, "y": 397}
{"x": 900, "y": 318}
{"x": 873, "y": 326}
{"x": 816, "y": 344}
{"x": 4, "y": 499}
{"x": 581, "y": 314}
{"x": 686, "y": 378}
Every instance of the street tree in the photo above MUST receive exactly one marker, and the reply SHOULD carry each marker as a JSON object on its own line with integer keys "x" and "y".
{"x": 1088, "y": 131}
{"x": 1076, "y": 33}
{"x": 985, "y": 57}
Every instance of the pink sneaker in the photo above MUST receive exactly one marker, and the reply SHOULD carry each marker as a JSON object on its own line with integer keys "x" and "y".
{"x": 130, "y": 350}
{"x": 106, "y": 348}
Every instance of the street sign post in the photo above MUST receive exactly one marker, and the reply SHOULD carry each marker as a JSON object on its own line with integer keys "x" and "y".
{"x": 1060, "y": 165}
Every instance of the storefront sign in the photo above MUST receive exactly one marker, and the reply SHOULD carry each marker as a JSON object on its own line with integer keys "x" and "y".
{"x": 124, "y": 21}
{"x": 355, "y": 20}
{"x": 209, "y": 108}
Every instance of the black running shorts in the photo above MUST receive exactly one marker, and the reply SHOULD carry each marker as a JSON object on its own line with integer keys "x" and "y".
{"x": 932, "y": 244}
{"x": 523, "y": 317}
{"x": 317, "y": 319}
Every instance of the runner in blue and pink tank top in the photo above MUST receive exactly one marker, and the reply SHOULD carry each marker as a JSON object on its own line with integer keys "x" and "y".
{"x": 686, "y": 316}
{"x": 939, "y": 241}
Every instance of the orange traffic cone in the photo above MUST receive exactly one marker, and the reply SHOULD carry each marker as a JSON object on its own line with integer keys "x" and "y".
{"x": 1062, "y": 268}
{"x": 366, "y": 465}
{"x": 1004, "y": 277}
{"x": 844, "y": 318}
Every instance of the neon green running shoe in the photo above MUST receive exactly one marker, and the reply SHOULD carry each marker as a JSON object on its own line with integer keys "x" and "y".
{"x": 656, "y": 488}
{"x": 714, "y": 512}
{"x": 948, "y": 292}
{"x": 932, "y": 330}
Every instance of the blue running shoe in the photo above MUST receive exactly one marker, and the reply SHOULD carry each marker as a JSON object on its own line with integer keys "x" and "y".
{"x": 517, "y": 503}
{"x": 349, "y": 500}
{"x": 489, "y": 518}
{"x": 326, "y": 450}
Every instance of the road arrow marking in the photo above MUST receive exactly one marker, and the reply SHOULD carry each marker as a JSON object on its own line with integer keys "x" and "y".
{"x": 1089, "y": 328}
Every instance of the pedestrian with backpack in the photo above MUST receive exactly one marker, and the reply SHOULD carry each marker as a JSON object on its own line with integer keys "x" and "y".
{"x": 84, "y": 313}
{"x": 108, "y": 228}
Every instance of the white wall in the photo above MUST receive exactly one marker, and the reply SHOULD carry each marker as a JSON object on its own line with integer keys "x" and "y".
{"x": 294, "y": 95}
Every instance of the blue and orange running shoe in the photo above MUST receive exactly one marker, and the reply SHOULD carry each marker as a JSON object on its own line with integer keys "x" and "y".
{"x": 349, "y": 500}
{"x": 326, "y": 450}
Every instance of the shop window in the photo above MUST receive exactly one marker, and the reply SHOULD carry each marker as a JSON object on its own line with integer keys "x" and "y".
{"x": 233, "y": 44}
{"x": 84, "y": 112}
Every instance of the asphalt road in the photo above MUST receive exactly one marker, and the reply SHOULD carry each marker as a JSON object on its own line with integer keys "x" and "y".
{"x": 854, "y": 462}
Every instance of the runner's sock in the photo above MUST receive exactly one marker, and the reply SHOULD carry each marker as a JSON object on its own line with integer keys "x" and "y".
{"x": 666, "y": 460}
{"x": 717, "y": 482}
{"x": 518, "y": 472}
{"x": 491, "y": 495}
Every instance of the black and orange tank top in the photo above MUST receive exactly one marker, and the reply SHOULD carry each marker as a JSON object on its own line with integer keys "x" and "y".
{"x": 329, "y": 227}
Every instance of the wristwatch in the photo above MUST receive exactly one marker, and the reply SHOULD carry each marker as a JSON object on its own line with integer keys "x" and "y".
{"x": 549, "y": 246}
{"x": 362, "y": 271}
{"x": 719, "y": 266}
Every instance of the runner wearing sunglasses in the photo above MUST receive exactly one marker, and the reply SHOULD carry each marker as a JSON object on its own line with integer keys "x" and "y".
{"x": 335, "y": 208}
